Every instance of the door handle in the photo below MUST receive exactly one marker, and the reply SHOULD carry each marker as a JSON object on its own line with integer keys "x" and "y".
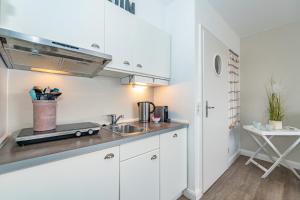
{"x": 126, "y": 62}
{"x": 208, "y": 108}
{"x": 109, "y": 156}
{"x": 154, "y": 157}
{"x": 139, "y": 66}
{"x": 95, "y": 45}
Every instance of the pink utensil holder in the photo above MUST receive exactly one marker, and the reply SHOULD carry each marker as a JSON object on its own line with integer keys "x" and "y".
{"x": 44, "y": 115}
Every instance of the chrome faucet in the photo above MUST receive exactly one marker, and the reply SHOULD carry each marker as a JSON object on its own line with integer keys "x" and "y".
{"x": 115, "y": 119}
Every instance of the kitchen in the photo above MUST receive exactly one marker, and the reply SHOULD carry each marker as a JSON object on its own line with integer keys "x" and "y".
{"x": 135, "y": 109}
{"x": 111, "y": 158}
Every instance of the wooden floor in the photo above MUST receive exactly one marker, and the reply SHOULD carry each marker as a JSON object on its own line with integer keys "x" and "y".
{"x": 242, "y": 182}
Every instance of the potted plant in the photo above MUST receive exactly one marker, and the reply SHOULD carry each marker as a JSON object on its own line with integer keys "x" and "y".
{"x": 275, "y": 108}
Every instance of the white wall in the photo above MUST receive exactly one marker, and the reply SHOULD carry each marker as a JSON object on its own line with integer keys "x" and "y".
{"x": 180, "y": 96}
{"x": 208, "y": 17}
{"x": 83, "y": 99}
{"x": 269, "y": 54}
{"x": 184, "y": 94}
{"x": 3, "y": 100}
{"x": 151, "y": 11}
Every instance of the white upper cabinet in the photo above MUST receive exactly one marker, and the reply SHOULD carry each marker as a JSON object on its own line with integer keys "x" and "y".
{"x": 152, "y": 50}
{"x": 92, "y": 176}
{"x": 135, "y": 45}
{"x": 119, "y": 37}
{"x": 78, "y": 23}
{"x": 173, "y": 164}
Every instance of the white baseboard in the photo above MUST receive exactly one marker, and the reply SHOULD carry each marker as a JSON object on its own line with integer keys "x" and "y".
{"x": 192, "y": 195}
{"x": 178, "y": 195}
{"x": 198, "y": 194}
{"x": 264, "y": 157}
{"x": 233, "y": 158}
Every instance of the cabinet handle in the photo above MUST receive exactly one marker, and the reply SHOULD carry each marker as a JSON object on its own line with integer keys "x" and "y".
{"x": 139, "y": 66}
{"x": 154, "y": 157}
{"x": 96, "y": 46}
{"x": 126, "y": 62}
{"x": 109, "y": 156}
{"x": 175, "y": 135}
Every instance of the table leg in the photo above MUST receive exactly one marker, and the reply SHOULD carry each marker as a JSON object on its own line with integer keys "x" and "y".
{"x": 281, "y": 156}
{"x": 261, "y": 147}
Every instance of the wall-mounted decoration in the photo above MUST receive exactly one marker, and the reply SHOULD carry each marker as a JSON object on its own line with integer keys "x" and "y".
{"x": 125, "y": 4}
{"x": 234, "y": 89}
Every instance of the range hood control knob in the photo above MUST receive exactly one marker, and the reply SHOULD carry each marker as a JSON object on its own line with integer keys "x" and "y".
{"x": 78, "y": 133}
{"x": 90, "y": 132}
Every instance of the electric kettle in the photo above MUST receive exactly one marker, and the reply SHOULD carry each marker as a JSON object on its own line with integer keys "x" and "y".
{"x": 144, "y": 111}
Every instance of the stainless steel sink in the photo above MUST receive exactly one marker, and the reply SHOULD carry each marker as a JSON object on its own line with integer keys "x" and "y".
{"x": 125, "y": 130}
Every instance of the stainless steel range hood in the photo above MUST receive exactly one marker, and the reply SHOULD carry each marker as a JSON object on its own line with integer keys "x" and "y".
{"x": 26, "y": 52}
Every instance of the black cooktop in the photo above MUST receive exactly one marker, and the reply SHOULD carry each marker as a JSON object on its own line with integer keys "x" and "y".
{"x": 29, "y": 136}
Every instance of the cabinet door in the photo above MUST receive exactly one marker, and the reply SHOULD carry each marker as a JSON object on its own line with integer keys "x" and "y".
{"x": 79, "y": 23}
{"x": 119, "y": 36}
{"x": 152, "y": 50}
{"x": 173, "y": 164}
{"x": 92, "y": 176}
{"x": 139, "y": 177}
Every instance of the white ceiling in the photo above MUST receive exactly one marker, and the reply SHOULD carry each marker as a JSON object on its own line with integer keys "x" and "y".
{"x": 247, "y": 17}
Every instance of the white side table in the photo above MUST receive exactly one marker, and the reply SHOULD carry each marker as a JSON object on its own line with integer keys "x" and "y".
{"x": 267, "y": 137}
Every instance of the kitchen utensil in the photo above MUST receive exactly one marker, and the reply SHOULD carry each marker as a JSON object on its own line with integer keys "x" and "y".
{"x": 144, "y": 111}
{"x": 37, "y": 93}
{"x": 55, "y": 95}
{"x": 33, "y": 95}
{"x": 55, "y": 90}
{"x": 47, "y": 90}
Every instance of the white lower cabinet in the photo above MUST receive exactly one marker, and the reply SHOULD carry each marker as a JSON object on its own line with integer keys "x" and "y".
{"x": 154, "y": 168}
{"x": 139, "y": 177}
{"x": 92, "y": 176}
{"x": 173, "y": 164}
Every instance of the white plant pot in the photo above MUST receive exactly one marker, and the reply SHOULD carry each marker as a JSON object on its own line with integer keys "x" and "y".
{"x": 277, "y": 125}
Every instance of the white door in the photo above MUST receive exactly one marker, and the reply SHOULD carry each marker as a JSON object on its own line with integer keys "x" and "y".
{"x": 139, "y": 177}
{"x": 215, "y": 108}
{"x": 173, "y": 164}
{"x": 79, "y": 23}
{"x": 93, "y": 176}
{"x": 119, "y": 37}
